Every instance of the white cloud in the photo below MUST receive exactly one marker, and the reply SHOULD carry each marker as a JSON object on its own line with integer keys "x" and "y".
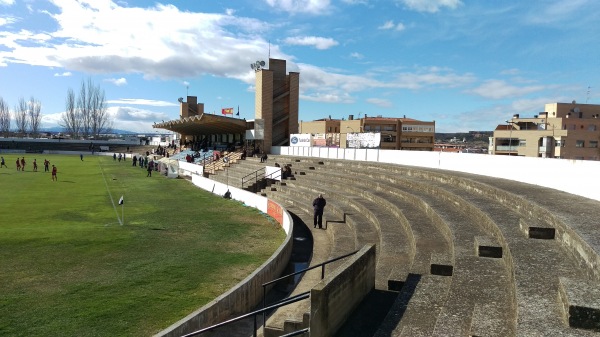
{"x": 7, "y": 20}
{"x": 141, "y": 101}
{"x": 7, "y": 2}
{"x": 318, "y": 42}
{"x": 301, "y": 6}
{"x": 64, "y": 74}
{"x": 431, "y": 6}
{"x": 498, "y": 89}
{"x": 164, "y": 42}
{"x": 124, "y": 118}
{"x": 380, "y": 102}
{"x": 557, "y": 11}
{"x": 512, "y": 71}
{"x": 117, "y": 81}
{"x": 389, "y": 25}
{"x": 325, "y": 85}
{"x": 135, "y": 114}
{"x": 332, "y": 97}
{"x": 356, "y": 2}
{"x": 357, "y": 56}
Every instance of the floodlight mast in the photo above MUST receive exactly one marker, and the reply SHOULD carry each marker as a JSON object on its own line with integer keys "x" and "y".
{"x": 257, "y": 66}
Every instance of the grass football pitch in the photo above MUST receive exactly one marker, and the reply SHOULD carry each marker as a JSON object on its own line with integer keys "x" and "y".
{"x": 69, "y": 268}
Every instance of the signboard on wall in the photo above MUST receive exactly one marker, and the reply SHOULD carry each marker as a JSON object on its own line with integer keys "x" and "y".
{"x": 275, "y": 211}
{"x": 300, "y": 139}
{"x": 365, "y": 140}
{"x": 326, "y": 140}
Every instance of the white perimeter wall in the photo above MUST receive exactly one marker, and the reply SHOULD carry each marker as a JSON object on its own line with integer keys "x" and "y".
{"x": 248, "y": 198}
{"x": 580, "y": 177}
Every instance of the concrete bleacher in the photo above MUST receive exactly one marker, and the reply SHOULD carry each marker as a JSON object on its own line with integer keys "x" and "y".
{"x": 469, "y": 255}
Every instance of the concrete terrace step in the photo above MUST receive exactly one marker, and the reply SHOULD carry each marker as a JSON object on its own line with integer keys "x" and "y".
{"x": 293, "y": 317}
{"x": 538, "y": 265}
{"x": 425, "y": 301}
{"x": 430, "y": 234}
{"x": 343, "y": 236}
{"x": 492, "y": 278}
{"x": 394, "y": 250}
{"x": 517, "y": 250}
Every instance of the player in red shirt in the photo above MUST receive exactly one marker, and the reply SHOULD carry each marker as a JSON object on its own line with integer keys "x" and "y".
{"x": 54, "y": 173}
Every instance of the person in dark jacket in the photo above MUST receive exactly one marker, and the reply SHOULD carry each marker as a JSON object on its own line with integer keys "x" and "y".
{"x": 319, "y": 206}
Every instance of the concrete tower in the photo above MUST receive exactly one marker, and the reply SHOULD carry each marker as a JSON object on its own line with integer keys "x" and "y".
{"x": 276, "y": 104}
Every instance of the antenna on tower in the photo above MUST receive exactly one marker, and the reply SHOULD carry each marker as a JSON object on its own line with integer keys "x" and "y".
{"x": 269, "y": 48}
{"x": 588, "y": 94}
{"x": 187, "y": 89}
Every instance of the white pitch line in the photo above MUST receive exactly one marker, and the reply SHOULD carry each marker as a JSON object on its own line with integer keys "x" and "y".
{"x": 110, "y": 195}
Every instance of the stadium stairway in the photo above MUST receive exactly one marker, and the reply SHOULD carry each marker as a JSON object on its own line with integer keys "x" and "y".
{"x": 468, "y": 255}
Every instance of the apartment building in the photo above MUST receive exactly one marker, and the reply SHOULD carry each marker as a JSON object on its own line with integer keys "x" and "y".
{"x": 562, "y": 130}
{"x": 396, "y": 133}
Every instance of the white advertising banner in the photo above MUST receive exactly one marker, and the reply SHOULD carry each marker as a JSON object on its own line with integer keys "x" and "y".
{"x": 300, "y": 139}
{"x": 365, "y": 140}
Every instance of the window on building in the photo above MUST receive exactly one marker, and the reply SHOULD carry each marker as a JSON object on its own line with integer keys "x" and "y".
{"x": 580, "y": 143}
{"x": 367, "y": 128}
{"x": 522, "y": 142}
{"x": 593, "y": 143}
{"x": 389, "y": 128}
{"x": 592, "y": 127}
{"x": 377, "y": 128}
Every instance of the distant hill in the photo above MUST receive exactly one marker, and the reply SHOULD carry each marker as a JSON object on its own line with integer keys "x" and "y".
{"x": 57, "y": 129}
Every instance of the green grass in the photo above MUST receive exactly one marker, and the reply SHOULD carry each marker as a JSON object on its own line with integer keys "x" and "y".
{"x": 68, "y": 268}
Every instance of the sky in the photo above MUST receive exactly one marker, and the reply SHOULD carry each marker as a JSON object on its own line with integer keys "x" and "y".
{"x": 467, "y": 65}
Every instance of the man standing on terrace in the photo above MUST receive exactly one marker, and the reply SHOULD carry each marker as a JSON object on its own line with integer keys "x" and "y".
{"x": 319, "y": 206}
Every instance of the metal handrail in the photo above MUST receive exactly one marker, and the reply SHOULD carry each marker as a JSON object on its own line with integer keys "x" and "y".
{"x": 322, "y": 265}
{"x": 282, "y": 303}
{"x": 255, "y": 173}
{"x": 257, "y": 176}
{"x": 296, "y": 333}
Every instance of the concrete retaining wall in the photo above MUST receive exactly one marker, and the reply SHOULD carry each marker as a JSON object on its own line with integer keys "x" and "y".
{"x": 247, "y": 294}
{"x": 572, "y": 176}
{"x": 334, "y": 298}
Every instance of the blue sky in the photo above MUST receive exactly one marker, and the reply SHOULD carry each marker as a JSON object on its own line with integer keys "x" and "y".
{"x": 468, "y": 65}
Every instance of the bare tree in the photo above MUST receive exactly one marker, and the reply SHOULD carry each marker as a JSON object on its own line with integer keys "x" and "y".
{"x": 71, "y": 119}
{"x": 91, "y": 105}
{"x": 4, "y": 118}
{"x": 21, "y": 116}
{"x": 100, "y": 119}
{"x": 35, "y": 115}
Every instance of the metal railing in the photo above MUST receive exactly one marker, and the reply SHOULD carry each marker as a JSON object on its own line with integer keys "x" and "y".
{"x": 276, "y": 305}
{"x": 254, "y": 177}
{"x": 321, "y": 265}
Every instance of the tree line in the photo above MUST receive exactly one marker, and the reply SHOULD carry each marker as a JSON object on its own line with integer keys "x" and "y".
{"x": 85, "y": 115}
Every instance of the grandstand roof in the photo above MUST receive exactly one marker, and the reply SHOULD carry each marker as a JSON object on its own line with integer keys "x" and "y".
{"x": 204, "y": 124}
